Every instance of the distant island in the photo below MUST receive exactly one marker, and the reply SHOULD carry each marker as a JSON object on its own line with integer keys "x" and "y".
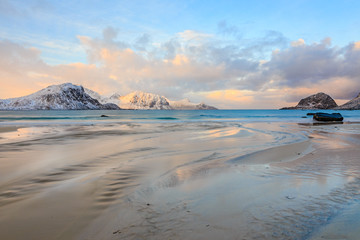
{"x": 324, "y": 101}
{"x": 68, "y": 96}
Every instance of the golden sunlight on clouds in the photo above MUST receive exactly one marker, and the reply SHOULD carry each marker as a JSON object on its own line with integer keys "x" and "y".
{"x": 82, "y": 65}
{"x": 183, "y": 69}
{"x": 231, "y": 95}
{"x": 40, "y": 75}
{"x": 107, "y": 55}
{"x": 180, "y": 60}
{"x": 357, "y": 45}
{"x": 113, "y": 77}
{"x": 246, "y": 99}
{"x": 298, "y": 42}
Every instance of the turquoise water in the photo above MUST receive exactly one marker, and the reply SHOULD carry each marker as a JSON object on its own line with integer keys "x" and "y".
{"x": 149, "y": 116}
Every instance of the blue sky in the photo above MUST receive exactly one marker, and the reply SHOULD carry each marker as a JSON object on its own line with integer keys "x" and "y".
{"x": 254, "y": 29}
{"x": 46, "y": 24}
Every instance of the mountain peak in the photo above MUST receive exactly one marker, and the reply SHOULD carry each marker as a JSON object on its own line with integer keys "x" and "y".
{"x": 144, "y": 100}
{"x": 66, "y": 96}
{"x": 316, "y": 101}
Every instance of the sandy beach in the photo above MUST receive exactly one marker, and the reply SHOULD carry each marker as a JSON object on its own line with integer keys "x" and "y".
{"x": 201, "y": 180}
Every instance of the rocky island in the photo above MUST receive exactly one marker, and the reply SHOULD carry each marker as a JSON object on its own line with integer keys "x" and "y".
{"x": 316, "y": 101}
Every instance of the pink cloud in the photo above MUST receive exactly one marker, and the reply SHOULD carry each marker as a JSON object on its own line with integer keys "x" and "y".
{"x": 217, "y": 73}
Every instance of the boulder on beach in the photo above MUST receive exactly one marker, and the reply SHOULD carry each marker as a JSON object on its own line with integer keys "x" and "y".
{"x": 328, "y": 117}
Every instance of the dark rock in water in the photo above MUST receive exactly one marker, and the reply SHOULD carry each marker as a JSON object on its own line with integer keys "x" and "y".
{"x": 328, "y": 117}
{"x": 304, "y": 117}
{"x": 310, "y": 114}
{"x": 353, "y": 104}
{"x": 104, "y": 116}
{"x": 316, "y": 101}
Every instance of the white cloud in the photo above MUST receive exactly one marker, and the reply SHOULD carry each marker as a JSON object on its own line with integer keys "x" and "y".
{"x": 297, "y": 43}
{"x": 213, "y": 70}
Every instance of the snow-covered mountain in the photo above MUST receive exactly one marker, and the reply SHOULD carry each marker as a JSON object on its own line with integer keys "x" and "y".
{"x": 97, "y": 96}
{"x": 68, "y": 96}
{"x": 185, "y": 104}
{"x": 143, "y": 100}
{"x": 56, "y": 97}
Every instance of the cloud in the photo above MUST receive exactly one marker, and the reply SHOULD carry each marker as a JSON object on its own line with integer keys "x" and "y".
{"x": 297, "y": 43}
{"x": 356, "y": 45}
{"x": 259, "y": 48}
{"x": 228, "y": 30}
{"x": 316, "y": 65}
{"x": 142, "y": 42}
{"x": 109, "y": 34}
{"x": 267, "y": 72}
{"x": 7, "y": 8}
{"x": 16, "y": 62}
{"x": 25, "y": 9}
{"x": 196, "y": 37}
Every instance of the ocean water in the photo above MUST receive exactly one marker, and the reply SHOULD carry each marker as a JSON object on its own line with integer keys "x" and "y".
{"x": 158, "y": 116}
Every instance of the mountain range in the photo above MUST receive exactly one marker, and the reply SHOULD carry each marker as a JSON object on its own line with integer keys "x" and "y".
{"x": 68, "y": 96}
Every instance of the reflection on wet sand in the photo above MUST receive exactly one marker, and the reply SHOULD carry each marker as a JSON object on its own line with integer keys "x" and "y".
{"x": 177, "y": 181}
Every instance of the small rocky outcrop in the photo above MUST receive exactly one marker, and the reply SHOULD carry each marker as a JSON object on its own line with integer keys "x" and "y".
{"x": 316, "y": 101}
{"x": 353, "y": 104}
{"x": 203, "y": 106}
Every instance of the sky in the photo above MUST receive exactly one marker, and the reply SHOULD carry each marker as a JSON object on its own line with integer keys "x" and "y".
{"x": 229, "y": 54}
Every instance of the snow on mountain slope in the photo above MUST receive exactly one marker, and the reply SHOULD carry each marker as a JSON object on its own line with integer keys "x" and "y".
{"x": 102, "y": 99}
{"x": 68, "y": 96}
{"x": 56, "y": 97}
{"x": 142, "y": 100}
{"x": 185, "y": 104}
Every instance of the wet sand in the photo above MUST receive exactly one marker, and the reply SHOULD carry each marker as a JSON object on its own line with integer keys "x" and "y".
{"x": 180, "y": 181}
{"x": 7, "y": 129}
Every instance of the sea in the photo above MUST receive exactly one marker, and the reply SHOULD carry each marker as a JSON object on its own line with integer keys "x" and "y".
{"x": 45, "y": 117}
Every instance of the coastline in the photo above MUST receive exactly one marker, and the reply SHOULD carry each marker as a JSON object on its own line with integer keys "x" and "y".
{"x": 139, "y": 181}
